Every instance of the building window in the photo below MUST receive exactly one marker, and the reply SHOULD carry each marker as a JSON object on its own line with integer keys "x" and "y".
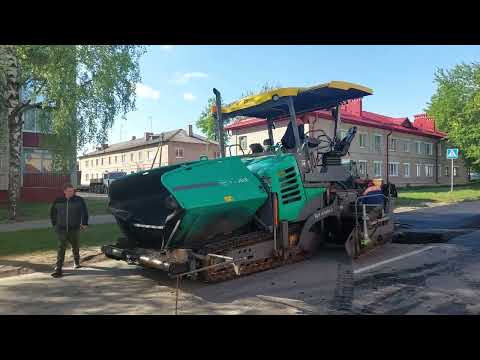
{"x": 446, "y": 170}
{"x": 243, "y": 142}
{"x": 91, "y": 163}
{"x": 109, "y": 160}
{"x": 393, "y": 144}
{"x": 115, "y": 159}
{"x": 140, "y": 156}
{"x": 377, "y": 168}
{"x": 429, "y": 170}
{"x": 86, "y": 177}
{"x": 149, "y": 155}
{"x": 86, "y": 164}
{"x": 377, "y": 142}
{"x": 393, "y": 169}
{"x": 36, "y": 161}
{"x": 419, "y": 170}
{"x": 455, "y": 171}
{"x": 428, "y": 148}
{"x": 418, "y": 147}
{"x": 36, "y": 120}
{"x": 102, "y": 161}
{"x": 131, "y": 157}
{"x": 96, "y": 162}
{"x": 362, "y": 140}
{"x": 179, "y": 153}
{"x": 406, "y": 147}
{"x": 29, "y": 120}
{"x": 216, "y": 154}
{"x": 406, "y": 170}
{"x": 362, "y": 167}
{"x": 123, "y": 158}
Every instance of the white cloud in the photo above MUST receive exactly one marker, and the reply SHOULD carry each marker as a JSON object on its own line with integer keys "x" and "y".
{"x": 146, "y": 92}
{"x": 166, "y": 47}
{"x": 189, "y": 96}
{"x": 183, "y": 78}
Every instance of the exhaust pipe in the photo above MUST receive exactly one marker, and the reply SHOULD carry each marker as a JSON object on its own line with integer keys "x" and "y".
{"x": 154, "y": 263}
{"x": 172, "y": 268}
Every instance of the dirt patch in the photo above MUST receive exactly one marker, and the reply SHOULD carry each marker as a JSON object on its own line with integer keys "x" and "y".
{"x": 44, "y": 261}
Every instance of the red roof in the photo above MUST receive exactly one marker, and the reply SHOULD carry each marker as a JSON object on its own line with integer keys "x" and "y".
{"x": 423, "y": 125}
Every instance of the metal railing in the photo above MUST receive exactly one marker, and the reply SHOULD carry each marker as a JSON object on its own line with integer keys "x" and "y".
{"x": 365, "y": 217}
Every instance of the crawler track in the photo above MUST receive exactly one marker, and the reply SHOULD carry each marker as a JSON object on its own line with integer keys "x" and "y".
{"x": 246, "y": 268}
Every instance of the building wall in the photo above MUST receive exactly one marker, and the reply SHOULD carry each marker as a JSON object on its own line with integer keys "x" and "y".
{"x": 191, "y": 152}
{"x": 141, "y": 159}
{"x": 369, "y": 155}
{"x": 130, "y": 161}
{"x": 39, "y": 184}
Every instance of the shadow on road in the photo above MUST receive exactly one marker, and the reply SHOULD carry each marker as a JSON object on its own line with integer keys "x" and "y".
{"x": 33, "y": 267}
{"x": 321, "y": 284}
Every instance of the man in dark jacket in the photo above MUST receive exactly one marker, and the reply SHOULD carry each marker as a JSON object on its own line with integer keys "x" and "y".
{"x": 69, "y": 215}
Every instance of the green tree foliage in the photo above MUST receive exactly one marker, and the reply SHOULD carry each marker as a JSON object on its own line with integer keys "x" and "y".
{"x": 456, "y": 108}
{"x": 206, "y": 122}
{"x": 82, "y": 89}
{"x": 79, "y": 90}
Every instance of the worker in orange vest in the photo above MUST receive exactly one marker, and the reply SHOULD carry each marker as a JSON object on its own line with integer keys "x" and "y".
{"x": 375, "y": 194}
{"x": 371, "y": 187}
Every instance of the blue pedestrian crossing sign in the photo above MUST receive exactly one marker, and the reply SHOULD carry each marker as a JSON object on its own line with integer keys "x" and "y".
{"x": 452, "y": 153}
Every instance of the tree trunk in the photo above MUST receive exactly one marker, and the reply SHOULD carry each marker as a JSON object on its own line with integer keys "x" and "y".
{"x": 11, "y": 94}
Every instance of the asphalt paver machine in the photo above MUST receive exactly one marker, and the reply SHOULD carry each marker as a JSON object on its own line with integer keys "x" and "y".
{"x": 236, "y": 215}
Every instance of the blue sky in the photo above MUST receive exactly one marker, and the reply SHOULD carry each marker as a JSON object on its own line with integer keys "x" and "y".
{"x": 178, "y": 80}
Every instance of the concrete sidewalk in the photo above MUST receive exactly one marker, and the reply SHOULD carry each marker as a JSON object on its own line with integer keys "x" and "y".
{"x": 44, "y": 224}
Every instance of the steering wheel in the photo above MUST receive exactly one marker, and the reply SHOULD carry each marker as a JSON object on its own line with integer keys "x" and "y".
{"x": 322, "y": 141}
{"x": 323, "y": 137}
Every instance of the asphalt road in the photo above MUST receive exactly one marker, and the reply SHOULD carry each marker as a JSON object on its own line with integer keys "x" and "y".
{"x": 437, "y": 274}
{"x": 112, "y": 287}
{"x": 416, "y": 277}
{"x": 465, "y": 215}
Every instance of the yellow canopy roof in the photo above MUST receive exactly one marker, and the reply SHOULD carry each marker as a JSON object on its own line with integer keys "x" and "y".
{"x": 323, "y": 96}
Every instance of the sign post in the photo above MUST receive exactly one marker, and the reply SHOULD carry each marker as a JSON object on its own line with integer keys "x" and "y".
{"x": 452, "y": 154}
{"x": 451, "y": 176}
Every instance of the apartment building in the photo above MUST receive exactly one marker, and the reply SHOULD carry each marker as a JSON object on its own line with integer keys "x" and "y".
{"x": 398, "y": 150}
{"x": 38, "y": 180}
{"x": 138, "y": 154}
